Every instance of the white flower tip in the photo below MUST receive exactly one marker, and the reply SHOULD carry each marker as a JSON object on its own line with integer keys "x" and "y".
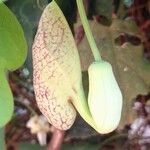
{"x": 38, "y": 124}
{"x": 41, "y": 136}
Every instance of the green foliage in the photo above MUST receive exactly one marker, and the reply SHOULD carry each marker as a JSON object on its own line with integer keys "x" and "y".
{"x": 6, "y": 100}
{"x": 1, "y": 1}
{"x": 84, "y": 146}
{"x": 12, "y": 43}
{"x": 28, "y": 146}
{"x": 2, "y": 139}
{"x": 13, "y": 49}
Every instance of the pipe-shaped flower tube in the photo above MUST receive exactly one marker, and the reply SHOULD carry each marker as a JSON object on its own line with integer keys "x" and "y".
{"x": 57, "y": 78}
{"x": 105, "y": 98}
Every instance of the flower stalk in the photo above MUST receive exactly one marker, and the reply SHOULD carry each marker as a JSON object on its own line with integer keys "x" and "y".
{"x": 88, "y": 32}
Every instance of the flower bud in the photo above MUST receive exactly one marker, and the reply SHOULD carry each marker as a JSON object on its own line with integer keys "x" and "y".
{"x": 105, "y": 98}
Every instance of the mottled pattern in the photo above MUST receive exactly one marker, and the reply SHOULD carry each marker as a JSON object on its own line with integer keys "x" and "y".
{"x": 56, "y": 68}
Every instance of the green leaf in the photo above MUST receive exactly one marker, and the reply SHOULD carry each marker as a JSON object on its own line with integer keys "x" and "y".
{"x": 6, "y": 100}
{"x": 12, "y": 42}
{"x": 1, "y": 1}
{"x": 2, "y": 139}
{"x": 28, "y": 146}
{"x": 76, "y": 146}
{"x": 13, "y": 51}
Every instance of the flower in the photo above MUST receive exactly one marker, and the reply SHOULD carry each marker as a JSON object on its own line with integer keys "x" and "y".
{"x": 105, "y": 98}
{"x": 40, "y": 126}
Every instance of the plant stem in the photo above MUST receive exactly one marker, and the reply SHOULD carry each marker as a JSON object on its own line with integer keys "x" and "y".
{"x": 2, "y": 139}
{"x": 57, "y": 139}
{"x": 88, "y": 32}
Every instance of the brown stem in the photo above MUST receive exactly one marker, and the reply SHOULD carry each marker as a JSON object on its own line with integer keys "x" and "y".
{"x": 57, "y": 139}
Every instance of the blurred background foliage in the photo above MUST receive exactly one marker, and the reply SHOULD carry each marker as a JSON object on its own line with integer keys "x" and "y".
{"x": 121, "y": 29}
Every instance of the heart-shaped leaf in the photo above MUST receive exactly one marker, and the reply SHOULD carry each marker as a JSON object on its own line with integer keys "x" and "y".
{"x": 13, "y": 50}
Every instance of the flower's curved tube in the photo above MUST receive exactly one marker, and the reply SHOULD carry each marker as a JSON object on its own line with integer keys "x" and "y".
{"x": 58, "y": 79}
{"x": 105, "y": 98}
{"x": 103, "y": 109}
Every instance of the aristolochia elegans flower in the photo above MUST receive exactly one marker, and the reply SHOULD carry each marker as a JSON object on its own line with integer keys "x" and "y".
{"x": 58, "y": 79}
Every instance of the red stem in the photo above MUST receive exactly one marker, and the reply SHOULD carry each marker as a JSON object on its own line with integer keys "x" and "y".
{"x": 57, "y": 140}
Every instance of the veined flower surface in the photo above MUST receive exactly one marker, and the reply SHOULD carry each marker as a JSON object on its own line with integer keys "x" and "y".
{"x": 57, "y": 78}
